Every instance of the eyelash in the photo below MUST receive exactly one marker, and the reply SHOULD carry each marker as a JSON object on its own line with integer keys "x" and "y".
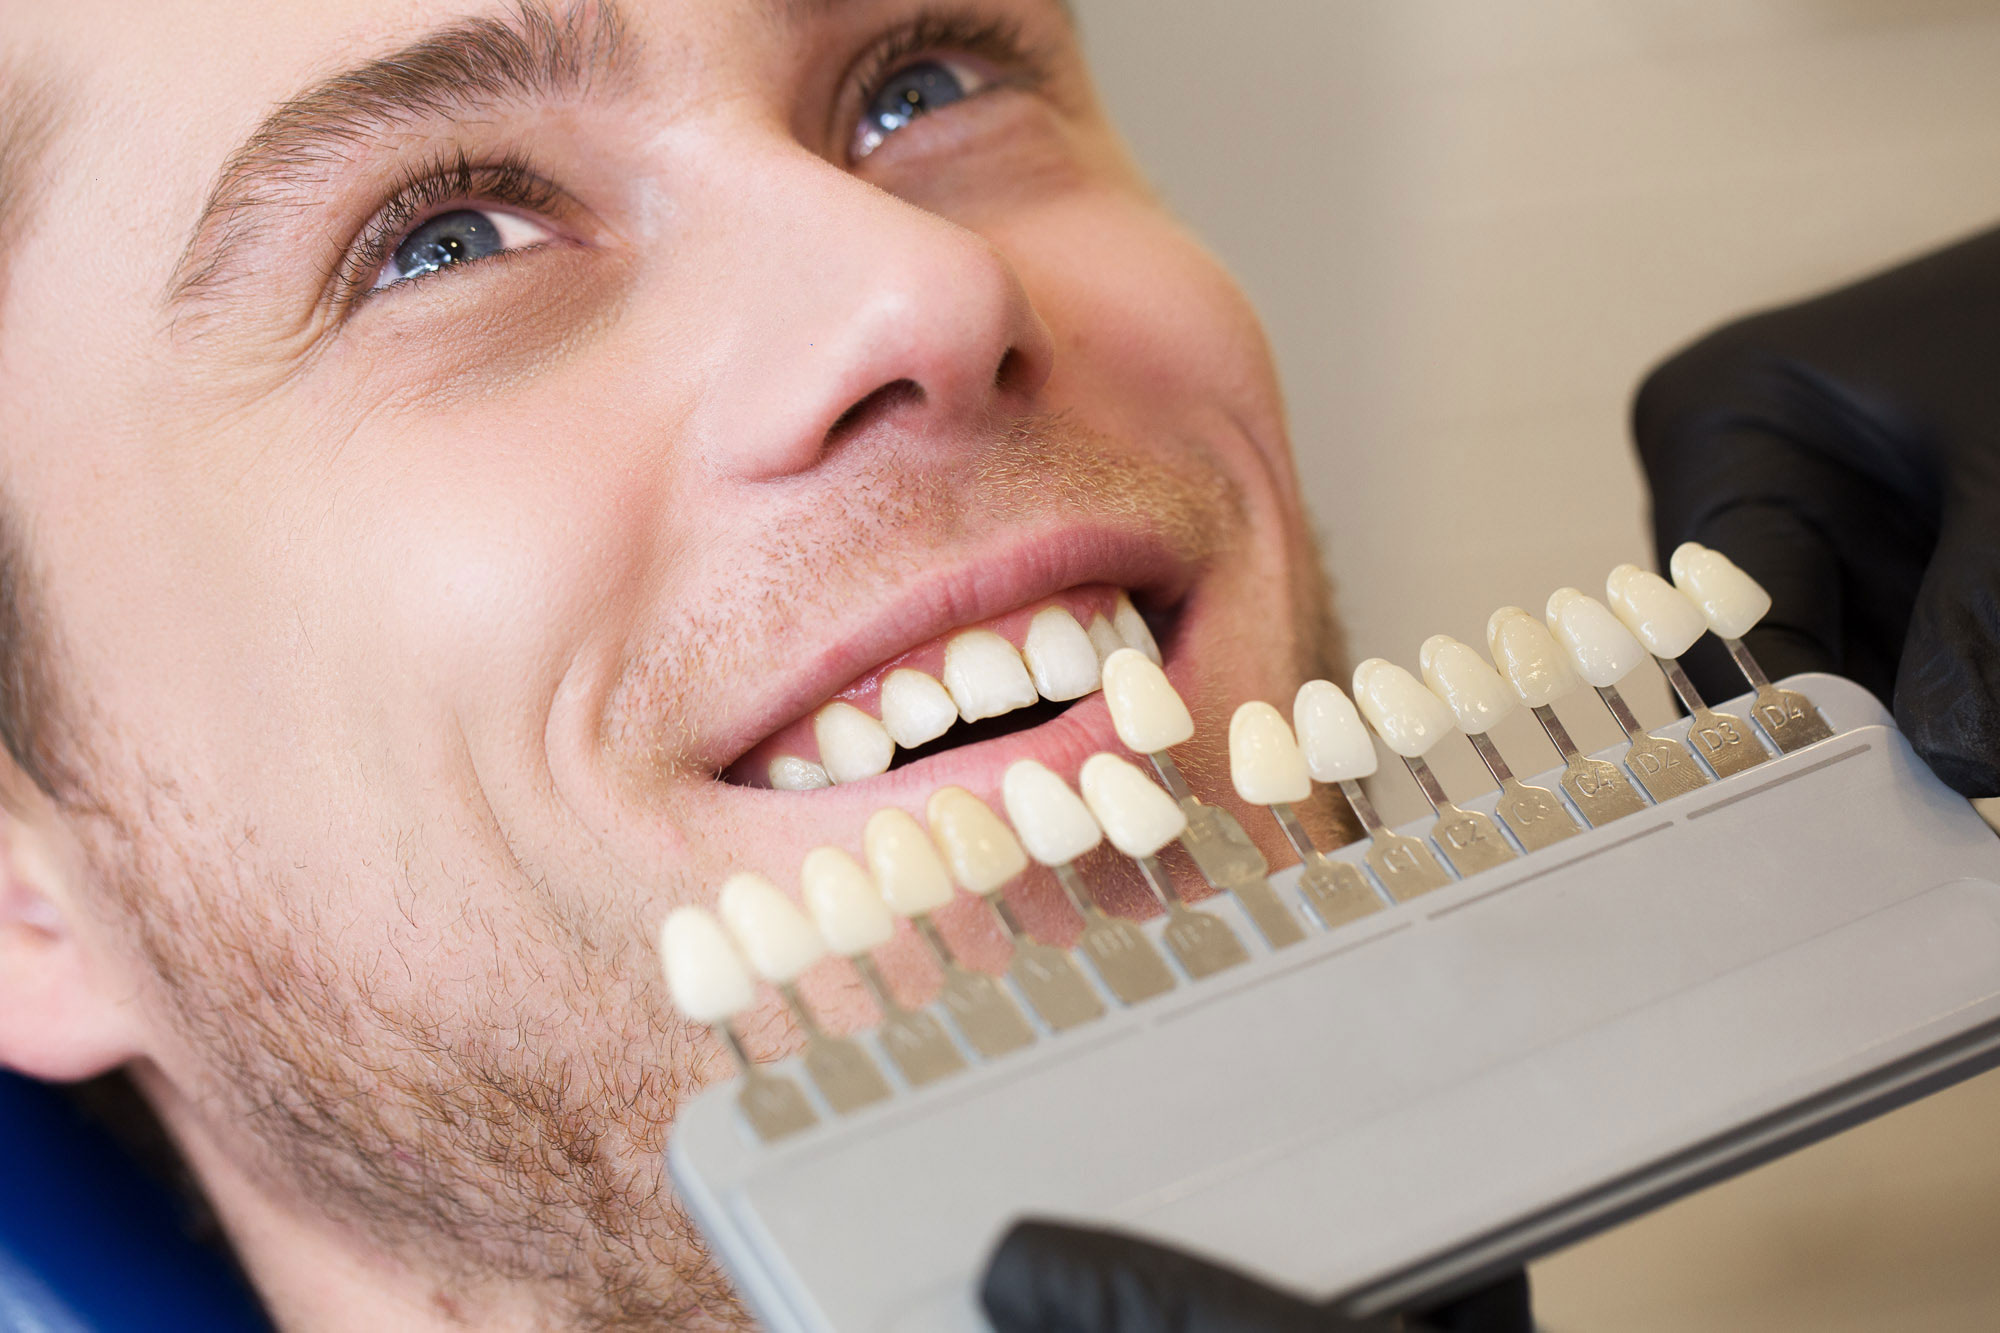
{"x": 997, "y": 40}
{"x": 514, "y": 180}
{"x": 447, "y": 178}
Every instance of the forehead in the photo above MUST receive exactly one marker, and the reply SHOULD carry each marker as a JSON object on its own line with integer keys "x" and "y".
{"x": 164, "y": 92}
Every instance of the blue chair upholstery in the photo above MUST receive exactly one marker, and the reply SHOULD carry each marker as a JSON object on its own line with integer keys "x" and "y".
{"x": 89, "y": 1243}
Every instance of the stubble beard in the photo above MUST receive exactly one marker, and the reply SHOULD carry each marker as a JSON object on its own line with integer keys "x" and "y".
{"x": 484, "y": 1096}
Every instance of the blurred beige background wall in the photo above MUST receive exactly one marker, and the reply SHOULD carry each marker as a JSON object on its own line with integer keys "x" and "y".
{"x": 1470, "y": 227}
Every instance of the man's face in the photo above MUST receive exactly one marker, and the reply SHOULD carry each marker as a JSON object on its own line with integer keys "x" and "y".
{"x": 439, "y": 540}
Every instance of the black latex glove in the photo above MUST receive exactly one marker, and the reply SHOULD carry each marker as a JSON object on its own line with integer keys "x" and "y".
{"x": 1050, "y": 1278}
{"x": 1846, "y": 453}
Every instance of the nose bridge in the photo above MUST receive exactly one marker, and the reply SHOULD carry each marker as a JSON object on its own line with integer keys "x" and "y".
{"x": 856, "y": 306}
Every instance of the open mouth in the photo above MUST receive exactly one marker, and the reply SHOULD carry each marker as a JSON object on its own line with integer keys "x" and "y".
{"x": 973, "y": 683}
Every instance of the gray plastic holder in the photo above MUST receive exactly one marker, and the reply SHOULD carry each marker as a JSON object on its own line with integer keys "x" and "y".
{"x": 1438, "y": 1091}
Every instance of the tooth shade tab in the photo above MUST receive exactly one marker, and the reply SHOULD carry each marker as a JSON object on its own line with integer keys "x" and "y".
{"x": 1147, "y": 712}
{"x": 1529, "y": 657}
{"x": 1731, "y": 600}
{"x": 1103, "y": 638}
{"x": 1054, "y": 824}
{"x": 1660, "y": 615}
{"x": 1264, "y": 760}
{"x": 915, "y": 708}
{"x": 1409, "y": 718}
{"x": 1331, "y": 735}
{"x": 852, "y": 745}
{"x": 985, "y": 675}
{"x": 1061, "y": 660}
{"x": 788, "y": 772}
{"x": 1600, "y": 648}
{"x": 905, "y": 864}
{"x": 1132, "y": 628}
{"x": 1467, "y": 682}
{"x": 982, "y": 853}
{"x": 843, "y": 900}
{"x": 1136, "y": 815}
{"x": 707, "y": 978}
{"x": 769, "y": 929}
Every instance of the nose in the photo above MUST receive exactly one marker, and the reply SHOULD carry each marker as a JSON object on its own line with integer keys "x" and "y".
{"x": 851, "y": 312}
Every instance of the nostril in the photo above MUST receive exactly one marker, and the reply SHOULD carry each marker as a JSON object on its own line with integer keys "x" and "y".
{"x": 878, "y": 404}
{"x": 1012, "y": 372}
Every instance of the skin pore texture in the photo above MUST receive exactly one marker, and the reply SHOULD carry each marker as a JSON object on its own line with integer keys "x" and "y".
{"x": 394, "y": 637}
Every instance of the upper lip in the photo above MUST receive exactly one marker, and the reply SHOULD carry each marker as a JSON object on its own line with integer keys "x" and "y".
{"x": 976, "y": 584}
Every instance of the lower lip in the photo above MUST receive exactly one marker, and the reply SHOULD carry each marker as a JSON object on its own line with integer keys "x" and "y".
{"x": 1062, "y": 744}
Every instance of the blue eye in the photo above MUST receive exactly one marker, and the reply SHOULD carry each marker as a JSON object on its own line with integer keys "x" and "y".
{"x": 914, "y": 90}
{"x": 457, "y": 237}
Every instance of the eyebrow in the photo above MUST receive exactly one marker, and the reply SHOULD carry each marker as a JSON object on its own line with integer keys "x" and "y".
{"x": 33, "y": 113}
{"x": 533, "y": 52}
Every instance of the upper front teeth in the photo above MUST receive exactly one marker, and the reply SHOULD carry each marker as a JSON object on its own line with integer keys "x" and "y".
{"x": 1060, "y": 656}
{"x": 915, "y": 708}
{"x": 1131, "y": 627}
{"x": 984, "y": 676}
{"x": 1104, "y": 638}
{"x": 852, "y": 745}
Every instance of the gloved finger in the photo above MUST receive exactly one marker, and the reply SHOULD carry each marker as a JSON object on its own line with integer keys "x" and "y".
{"x": 1046, "y": 1277}
{"x": 1790, "y": 477}
{"x": 1948, "y": 694}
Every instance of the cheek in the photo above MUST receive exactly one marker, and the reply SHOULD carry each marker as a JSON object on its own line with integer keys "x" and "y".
{"x": 492, "y": 559}
{"x": 1142, "y": 314}
{"x": 463, "y": 567}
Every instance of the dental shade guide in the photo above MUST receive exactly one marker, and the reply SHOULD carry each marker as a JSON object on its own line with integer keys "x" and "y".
{"x": 1411, "y": 721}
{"x": 1268, "y": 769}
{"x": 1150, "y": 718}
{"x": 1480, "y": 700}
{"x": 1643, "y": 1000}
{"x": 1140, "y": 819}
{"x": 780, "y": 944}
{"x": 710, "y": 984}
{"x": 854, "y": 920}
{"x": 984, "y": 858}
{"x": 915, "y": 883}
{"x": 1732, "y": 602}
{"x": 1335, "y": 743}
{"x": 1056, "y": 828}
{"x": 1534, "y": 664}
{"x": 1603, "y": 652}
{"x": 1663, "y": 618}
